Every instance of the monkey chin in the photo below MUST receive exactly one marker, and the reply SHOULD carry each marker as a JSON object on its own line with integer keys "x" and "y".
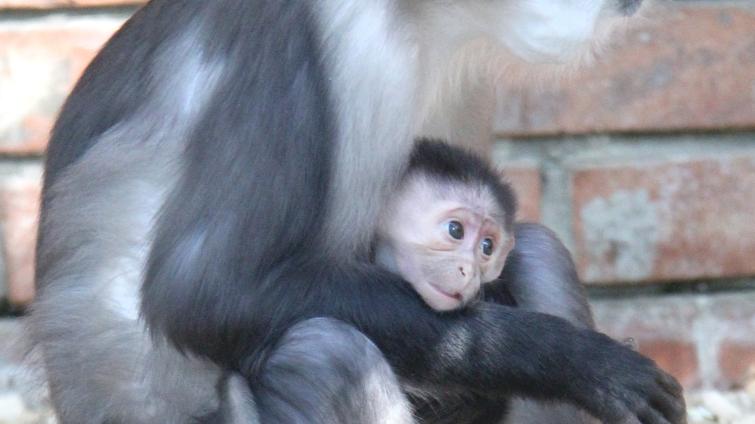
{"x": 440, "y": 299}
{"x": 556, "y": 38}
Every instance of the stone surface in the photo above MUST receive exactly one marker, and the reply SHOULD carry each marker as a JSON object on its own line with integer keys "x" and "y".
{"x": 737, "y": 360}
{"x": 689, "y": 65}
{"x": 708, "y": 407}
{"x": 39, "y": 63}
{"x": 665, "y": 220}
{"x": 664, "y": 331}
{"x": 525, "y": 179}
{"x": 705, "y": 340}
{"x": 677, "y": 357}
{"x": 19, "y": 208}
{"x": 733, "y": 340}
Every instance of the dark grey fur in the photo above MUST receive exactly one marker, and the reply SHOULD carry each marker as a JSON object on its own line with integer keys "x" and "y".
{"x": 322, "y": 372}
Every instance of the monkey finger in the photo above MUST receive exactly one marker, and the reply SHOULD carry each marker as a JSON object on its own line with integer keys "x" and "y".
{"x": 648, "y": 415}
{"x": 672, "y": 407}
{"x": 631, "y": 420}
{"x": 670, "y": 384}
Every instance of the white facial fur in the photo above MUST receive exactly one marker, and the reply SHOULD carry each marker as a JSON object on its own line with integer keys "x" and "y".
{"x": 551, "y": 30}
{"x": 414, "y": 240}
{"x": 538, "y": 31}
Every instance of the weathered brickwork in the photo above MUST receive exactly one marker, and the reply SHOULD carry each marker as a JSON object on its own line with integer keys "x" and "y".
{"x": 525, "y": 179}
{"x": 19, "y": 206}
{"x": 653, "y": 220}
{"x": 704, "y": 340}
{"x": 39, "y": 64}
{"x": 689, "y": 65}
{"x": 737, "y": 361}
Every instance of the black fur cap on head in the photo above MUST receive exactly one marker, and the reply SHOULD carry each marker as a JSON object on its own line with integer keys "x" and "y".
{"x": 439, "y": 159}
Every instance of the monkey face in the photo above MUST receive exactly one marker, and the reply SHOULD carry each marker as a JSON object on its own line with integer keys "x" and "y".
{"x": 444, "y": 243}
{"x": 556, "y": 31}
{"x": 537, "y": 31}
{"x": 449, "y": 259}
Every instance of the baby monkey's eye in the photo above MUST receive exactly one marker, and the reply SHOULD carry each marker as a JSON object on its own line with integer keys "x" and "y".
{"x": 487, "y": 246}
{"x": 456, "y": 230}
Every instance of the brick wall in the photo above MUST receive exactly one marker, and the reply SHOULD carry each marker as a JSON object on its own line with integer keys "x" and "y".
{"x": 644, "y": 164}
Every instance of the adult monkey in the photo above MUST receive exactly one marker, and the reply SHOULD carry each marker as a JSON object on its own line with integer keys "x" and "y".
{"x": 230, "y": 158}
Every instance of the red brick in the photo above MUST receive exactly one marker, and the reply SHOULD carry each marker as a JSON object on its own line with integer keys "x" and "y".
{"x": 678, "y": 358}
{"x": 668, "y": 328}
{"x": 737, "y": 360}
{"x": 39, "y": 67}
{"x": 19, "y": 209}
{"x": 675, "y": 353}
{"x": 662, "y": 328}
{"x": 47, "y": 4}
{"x": 526, "y": 183}
{"x": 689, "y": 66}
{"x": 665, "y": 220}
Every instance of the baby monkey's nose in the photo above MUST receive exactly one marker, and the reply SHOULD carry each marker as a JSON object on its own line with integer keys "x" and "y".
{"x": 467, "y": 272}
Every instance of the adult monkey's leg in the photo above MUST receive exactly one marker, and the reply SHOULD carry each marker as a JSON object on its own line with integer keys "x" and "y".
{"x": 540, "y": 276}
{"x": 322, "y": 371}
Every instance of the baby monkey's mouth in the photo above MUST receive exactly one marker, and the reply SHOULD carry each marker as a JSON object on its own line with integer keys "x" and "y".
{"x": 453, "y": 295}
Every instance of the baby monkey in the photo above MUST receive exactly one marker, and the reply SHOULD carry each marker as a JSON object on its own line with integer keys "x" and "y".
{"x": 449, "y": 227}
